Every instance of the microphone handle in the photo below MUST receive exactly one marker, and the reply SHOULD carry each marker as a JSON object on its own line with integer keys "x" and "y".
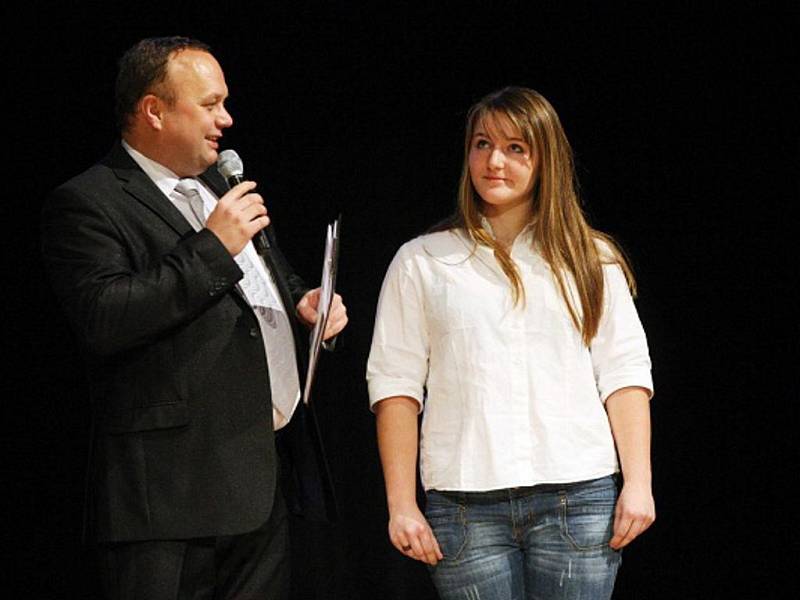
{"x": 260, "y": 239}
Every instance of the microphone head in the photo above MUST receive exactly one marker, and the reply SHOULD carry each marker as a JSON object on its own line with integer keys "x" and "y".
{"x": 229, "y": 164}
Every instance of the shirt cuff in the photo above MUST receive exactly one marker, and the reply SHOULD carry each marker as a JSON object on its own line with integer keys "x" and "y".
{"x": 389, "y": 389}
{"x": 625, "y": 378}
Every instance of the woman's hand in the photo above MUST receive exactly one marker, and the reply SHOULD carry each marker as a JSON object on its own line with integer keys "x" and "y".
{"x": 411, "y": 535}
{"x": 629, "y": 414}
{"x": 635, "y": 512}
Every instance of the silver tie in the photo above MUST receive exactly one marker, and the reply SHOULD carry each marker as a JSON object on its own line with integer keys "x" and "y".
{"x": 275, "y": 325}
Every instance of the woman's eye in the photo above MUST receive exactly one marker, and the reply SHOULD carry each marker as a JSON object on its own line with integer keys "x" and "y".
{"x": 482, "y": 144}
{"x": 517, "y": 148}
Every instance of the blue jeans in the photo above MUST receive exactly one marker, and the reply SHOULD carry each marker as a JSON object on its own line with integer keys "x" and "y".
{"x": 541, "y": 542}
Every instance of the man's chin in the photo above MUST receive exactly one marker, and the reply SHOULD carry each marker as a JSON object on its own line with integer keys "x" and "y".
{"x": 208, "y": 159}
{"x": 212, "y": 157}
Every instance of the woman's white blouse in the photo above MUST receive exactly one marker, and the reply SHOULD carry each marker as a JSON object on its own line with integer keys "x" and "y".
{"x": 510, "y": 395}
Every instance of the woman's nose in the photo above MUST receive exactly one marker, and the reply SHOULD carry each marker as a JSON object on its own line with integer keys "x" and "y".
{"x": 496, "y": 159}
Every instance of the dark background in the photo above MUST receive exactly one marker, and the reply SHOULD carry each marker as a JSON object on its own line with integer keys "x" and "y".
{"x": 685, "y": 135}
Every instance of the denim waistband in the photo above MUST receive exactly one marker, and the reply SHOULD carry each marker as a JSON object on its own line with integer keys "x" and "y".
{"x": 492, "y": 496}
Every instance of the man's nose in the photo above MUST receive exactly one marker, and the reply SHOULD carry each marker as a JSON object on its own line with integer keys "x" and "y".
{"x": 224, "y": 119}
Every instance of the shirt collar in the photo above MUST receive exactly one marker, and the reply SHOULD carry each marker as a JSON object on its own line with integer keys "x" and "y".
{"x": 163, "y": 177}
{"x": 525, "y": 236}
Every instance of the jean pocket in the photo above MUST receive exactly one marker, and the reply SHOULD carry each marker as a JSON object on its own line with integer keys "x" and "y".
{"x": 449, "y": 525}
{"x": 587, "y": 513}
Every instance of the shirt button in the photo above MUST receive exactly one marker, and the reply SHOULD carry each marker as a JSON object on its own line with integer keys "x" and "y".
{"x": 253, "y": 332}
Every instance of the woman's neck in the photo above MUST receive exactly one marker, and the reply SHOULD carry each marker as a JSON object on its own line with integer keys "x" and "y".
{"x": 507, "y": 222}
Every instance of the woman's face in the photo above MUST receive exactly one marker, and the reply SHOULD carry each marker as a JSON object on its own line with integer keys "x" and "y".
{"x": 501, "y": 164}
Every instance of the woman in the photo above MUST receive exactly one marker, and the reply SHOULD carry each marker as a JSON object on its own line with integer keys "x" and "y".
{"x": 513, "y": 327}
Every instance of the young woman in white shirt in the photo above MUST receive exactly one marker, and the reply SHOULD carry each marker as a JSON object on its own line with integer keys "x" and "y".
{"x": 512, "y": 329}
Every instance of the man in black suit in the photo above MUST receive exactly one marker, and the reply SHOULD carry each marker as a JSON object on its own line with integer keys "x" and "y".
{"x": 192, "y": 344}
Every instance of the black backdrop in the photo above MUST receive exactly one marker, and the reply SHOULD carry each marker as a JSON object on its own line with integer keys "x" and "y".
{"x": 685, "y": 138}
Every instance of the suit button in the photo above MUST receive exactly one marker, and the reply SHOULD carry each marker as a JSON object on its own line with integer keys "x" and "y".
{"x": 253, "y": 332}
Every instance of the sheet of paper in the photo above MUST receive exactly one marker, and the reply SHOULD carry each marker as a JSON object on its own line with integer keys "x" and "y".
{"x": 327, "y": 290}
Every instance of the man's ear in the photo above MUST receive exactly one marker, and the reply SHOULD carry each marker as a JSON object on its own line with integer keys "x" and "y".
{"x": 151, "y": 108}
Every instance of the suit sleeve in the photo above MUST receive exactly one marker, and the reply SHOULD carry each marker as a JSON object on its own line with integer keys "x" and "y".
{"x": 118, "y": 295}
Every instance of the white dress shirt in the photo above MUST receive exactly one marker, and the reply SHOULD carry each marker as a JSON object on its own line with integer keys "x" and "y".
{"x": 257, "y": 286}
{"x": 510, "y": 395}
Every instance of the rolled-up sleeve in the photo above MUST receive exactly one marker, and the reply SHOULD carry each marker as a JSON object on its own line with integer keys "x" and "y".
{"x": 398, "y": 358}
{"x": 620, "y": 356}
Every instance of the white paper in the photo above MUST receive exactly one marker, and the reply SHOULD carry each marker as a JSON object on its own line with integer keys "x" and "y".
{"x": 327, "y": 289}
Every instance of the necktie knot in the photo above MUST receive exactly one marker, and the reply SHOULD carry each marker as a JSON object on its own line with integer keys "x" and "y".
{"x": 188, "y": 189}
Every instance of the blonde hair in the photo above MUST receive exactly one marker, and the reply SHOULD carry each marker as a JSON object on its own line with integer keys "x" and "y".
{"x": 566, "y": 241}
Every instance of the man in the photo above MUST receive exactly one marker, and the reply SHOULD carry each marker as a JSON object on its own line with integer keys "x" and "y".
{"x": 192, "y": 341}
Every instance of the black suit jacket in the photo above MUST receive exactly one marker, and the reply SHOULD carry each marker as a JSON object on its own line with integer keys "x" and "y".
{"x": 184, "y": 444}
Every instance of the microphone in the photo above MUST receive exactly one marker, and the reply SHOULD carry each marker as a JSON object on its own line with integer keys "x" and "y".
{"x": 231, "y": 167}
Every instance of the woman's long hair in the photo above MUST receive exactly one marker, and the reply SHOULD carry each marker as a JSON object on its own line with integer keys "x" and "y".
{"x": 566, "y": 241}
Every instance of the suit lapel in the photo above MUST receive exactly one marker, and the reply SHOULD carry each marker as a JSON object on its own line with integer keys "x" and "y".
{"x": 214, "y": 180}
{"x": 136, "y": 183}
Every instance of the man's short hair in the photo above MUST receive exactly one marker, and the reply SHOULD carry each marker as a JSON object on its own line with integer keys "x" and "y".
{"x": 142, "y": 68}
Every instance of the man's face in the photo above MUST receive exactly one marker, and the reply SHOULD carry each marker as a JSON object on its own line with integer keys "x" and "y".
{"x": 193, "y": 122}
